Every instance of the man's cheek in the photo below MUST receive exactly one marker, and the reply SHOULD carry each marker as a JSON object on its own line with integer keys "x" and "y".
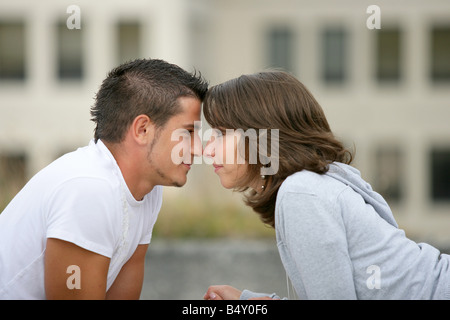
{"x": 181, "y": 146}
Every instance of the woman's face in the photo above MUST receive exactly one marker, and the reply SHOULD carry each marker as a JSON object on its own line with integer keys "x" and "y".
{"x": 228, "y": 164}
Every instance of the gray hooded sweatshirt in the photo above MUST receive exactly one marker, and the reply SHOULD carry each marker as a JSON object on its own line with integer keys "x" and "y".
{"x": 338, "y": 239}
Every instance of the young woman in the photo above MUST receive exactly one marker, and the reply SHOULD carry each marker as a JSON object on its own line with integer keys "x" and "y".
{"x": 337, "y": 238}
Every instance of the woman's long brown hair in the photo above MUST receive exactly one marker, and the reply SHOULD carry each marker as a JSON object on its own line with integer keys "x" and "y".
{"x": 275, "y": 100}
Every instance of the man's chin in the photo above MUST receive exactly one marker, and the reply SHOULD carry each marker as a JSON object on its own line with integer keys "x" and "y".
{"x": 179, "y": 183}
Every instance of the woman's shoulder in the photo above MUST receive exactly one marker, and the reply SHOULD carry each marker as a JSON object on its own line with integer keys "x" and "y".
{"x": 308, "y": 182}
{"x": 308, "y": 196}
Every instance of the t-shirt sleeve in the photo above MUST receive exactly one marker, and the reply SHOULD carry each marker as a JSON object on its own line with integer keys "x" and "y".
{"x": 154, "y": 206}
{"x": 82, "y": 211}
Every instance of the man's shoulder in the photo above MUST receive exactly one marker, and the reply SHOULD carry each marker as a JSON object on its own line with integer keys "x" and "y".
{"x": 78, "y": 169}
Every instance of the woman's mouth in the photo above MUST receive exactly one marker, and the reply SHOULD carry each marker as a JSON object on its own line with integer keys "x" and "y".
{"x": 217, "y": 167}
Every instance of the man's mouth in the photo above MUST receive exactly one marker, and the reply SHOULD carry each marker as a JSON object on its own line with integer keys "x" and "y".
{"x": 187, "y": 165}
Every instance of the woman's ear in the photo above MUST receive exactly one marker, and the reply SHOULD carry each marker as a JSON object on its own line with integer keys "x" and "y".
{"x": 142, "y": 129}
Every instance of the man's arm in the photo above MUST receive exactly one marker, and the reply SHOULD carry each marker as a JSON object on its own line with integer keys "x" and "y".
{"x": 86, "y": 280}
{"x": 128, "y": 284}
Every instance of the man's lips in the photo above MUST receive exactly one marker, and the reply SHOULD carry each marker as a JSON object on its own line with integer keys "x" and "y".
{"x": 187, "y": 165}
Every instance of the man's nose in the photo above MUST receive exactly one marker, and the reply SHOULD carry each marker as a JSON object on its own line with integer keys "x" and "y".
{"x": 197, "y": 148}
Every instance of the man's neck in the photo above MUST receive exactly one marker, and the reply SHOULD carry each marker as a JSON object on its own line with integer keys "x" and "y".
{"x": 130, "y": 164}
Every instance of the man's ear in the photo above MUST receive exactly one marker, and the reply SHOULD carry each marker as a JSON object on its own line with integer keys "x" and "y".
{"x": 142, "y": 129}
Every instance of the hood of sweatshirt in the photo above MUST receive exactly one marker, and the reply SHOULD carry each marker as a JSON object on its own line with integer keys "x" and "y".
{"x": 352, "y": 178}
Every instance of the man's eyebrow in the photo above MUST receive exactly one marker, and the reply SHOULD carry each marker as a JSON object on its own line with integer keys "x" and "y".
{"x": 191, "y": 126}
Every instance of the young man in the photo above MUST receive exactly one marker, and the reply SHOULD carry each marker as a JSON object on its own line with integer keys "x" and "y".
{"x": 80, "y": 228}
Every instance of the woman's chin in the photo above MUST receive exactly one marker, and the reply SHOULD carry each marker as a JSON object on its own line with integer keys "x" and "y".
{"x": 226, "y": 184}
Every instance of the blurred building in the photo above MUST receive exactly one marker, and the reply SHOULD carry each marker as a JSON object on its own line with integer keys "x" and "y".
{"x": 385, "y": 91}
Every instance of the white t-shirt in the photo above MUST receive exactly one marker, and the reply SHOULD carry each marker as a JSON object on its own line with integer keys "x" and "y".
{"x": 82, "y": 198}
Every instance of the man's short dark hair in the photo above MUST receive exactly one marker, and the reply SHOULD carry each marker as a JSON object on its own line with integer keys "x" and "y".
{"x": 142, "y": 86}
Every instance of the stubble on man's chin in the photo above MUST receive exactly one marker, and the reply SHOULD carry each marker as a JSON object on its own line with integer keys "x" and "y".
{"x": 178, "y": 185}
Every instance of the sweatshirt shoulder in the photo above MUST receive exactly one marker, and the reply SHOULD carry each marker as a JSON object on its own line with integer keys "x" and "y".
{"x": 308, "y": 182}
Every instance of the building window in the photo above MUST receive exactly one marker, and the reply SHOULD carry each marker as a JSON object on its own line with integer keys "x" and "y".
{"x": 128, "y": 41}
{"x": 388, "y": 60}
{"x": 280, "y": 48}
{"x": 440, "y": 54}
{"x": 440, "y": 174}
{"x": 12, "y": 176}
{"x": 12, "y": 51}
{"x": 70, "y": 52}
{"x": 334, "y": 53}
{"x": 389, "y": 174}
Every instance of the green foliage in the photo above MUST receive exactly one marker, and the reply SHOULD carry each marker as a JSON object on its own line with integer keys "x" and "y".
{"x": 190, "y": 218}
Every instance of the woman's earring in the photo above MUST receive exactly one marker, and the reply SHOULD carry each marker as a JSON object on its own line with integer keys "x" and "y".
{"x": 264, "y": 178}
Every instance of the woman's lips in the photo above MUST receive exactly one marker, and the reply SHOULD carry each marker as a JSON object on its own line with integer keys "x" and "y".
{"x": 217, "y": 167}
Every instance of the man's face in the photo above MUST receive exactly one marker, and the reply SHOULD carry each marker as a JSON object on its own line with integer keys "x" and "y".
{"x": 164, "y": 170}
